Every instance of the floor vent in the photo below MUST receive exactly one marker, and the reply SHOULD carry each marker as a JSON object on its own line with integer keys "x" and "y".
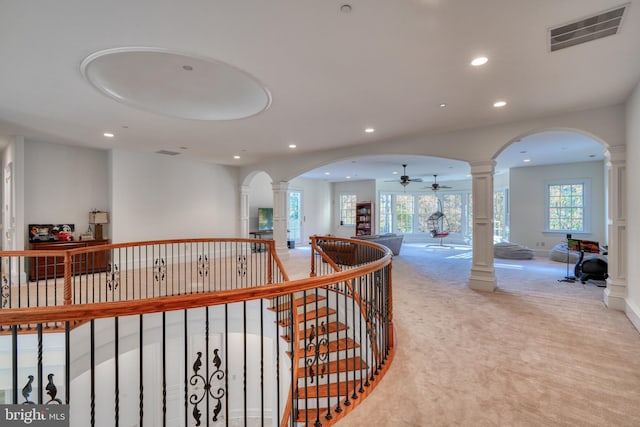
{"x": 591, "y": 28}
{"x": 167, "y": 152}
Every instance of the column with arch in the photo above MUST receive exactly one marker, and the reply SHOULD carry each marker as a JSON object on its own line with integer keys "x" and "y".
{"x": 616, "y": 292}
{"x": 280, "y": 216}
{"x": 483, "y": 277}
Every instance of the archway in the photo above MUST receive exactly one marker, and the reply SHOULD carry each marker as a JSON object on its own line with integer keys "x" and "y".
{"x": 578, "y": 166}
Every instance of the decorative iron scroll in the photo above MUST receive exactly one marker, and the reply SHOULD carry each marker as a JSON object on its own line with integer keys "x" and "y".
{"x": 26, "y": 391}
{"x": 242, "y": 265}
{"x": 5, "y": 291}
{"x": 319, "y": 348}
{"x": 113, "y": 276}
{"x": 160, "y": 268}
{"x": 203, "y": 266}
{"x": 52, "y": 391}
{"x": 209, "y": 390}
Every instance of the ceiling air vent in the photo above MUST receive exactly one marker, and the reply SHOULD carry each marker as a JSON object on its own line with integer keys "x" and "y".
{"x": 167, "y": 152}
{"x": 591, "y": 28}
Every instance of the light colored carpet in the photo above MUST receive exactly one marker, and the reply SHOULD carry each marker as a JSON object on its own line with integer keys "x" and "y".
{"x": 537, "y": 352}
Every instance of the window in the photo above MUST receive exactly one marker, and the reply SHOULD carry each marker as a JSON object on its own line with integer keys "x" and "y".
{"x": 567, "y": 206}
{"x": 501, "y": 215}
{"x": 427, "y": 204}
{"x": 404, "y": 213}
{"x": 386, "y": 214}
{"x": 348, "y": 209}
{"x": 408, "y": 213}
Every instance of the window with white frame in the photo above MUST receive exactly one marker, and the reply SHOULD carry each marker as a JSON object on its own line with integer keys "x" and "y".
{"x": 408, "y": 213}
{"x": 348, "y": 209}
{"x": 568, "y": 206}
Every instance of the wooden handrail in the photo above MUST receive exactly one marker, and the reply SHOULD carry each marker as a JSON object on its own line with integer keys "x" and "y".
{"x": 85, "y": 312}
{"x": 81, "y": 313}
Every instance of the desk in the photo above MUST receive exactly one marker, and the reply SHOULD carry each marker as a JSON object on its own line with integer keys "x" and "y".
{"x": 260, "y": 234}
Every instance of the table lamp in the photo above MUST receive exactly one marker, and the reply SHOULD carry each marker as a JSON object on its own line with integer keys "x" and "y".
{"x": 98, "y": 218}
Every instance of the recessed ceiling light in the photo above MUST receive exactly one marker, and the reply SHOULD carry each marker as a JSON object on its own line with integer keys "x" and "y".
{"x": 108, "y": 134}
{"x": 592, "y": 155}
{"x": 395, "y": 172}
{"x": 369, "y": 130}
{"x": 442, "y": 105}
{"x": 345, "y": 8}
{"x": 499, "y": 104}
{"x": 236, "y": 157}
{"x": 327, "y": 173}
{"x": 481, "y": 60}
{"x": 348, "y": 176}
{"x": 523, "y": 152}
{"x": 187, "y": 67}
{"x": 292, "y": 145}
{"x": 526, "y": 160}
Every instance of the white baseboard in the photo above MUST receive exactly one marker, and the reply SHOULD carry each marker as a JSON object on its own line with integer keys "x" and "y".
{"x": 633, "y": 313}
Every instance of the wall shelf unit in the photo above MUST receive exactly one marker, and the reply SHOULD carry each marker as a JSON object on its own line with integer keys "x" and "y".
{"x": 364, "y": 219}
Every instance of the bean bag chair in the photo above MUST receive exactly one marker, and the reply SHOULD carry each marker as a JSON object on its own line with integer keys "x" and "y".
{"x": 559, "y": 254}
{"x": 508, "y": 250}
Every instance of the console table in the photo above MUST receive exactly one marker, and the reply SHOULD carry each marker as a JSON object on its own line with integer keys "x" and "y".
{"x": 46, "y": 267}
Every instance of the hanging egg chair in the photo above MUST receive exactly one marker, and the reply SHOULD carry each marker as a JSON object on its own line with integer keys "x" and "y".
{"x": 438, "y": 224}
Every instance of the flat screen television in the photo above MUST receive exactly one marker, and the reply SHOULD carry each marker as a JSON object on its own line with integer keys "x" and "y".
{"x": 265, "y": 219}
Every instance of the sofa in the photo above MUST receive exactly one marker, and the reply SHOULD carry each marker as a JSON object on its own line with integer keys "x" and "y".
{"x": 346, "y": 253}
{"x": 392, "y": 241}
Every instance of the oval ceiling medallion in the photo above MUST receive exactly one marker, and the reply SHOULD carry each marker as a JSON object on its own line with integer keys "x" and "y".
{"x": 175, "y": 84}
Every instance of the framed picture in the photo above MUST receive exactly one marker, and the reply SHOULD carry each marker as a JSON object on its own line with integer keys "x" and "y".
{"x": 51, "y": 232}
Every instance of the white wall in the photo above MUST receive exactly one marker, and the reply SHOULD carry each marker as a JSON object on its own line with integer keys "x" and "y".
{"x": 63, "y": 183}
{"x": 633, "y": 207}
{"x": 316, "y": 206}
{"x": 527, "y": 203}
{"x": 161, "y": 197}
{"x": 366, "y": 192}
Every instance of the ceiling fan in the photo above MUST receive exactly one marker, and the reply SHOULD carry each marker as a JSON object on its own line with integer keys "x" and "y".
{"x": 404, "y": 179}
{"x": 435, "y": 186}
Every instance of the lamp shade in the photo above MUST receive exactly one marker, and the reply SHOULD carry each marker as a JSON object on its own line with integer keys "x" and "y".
{"x": 98, "y": 217}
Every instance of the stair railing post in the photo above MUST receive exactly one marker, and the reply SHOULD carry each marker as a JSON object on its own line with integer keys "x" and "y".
{"x": 67, "y": 278}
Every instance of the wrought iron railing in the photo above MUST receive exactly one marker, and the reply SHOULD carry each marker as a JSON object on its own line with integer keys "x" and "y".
{"x": 197, "y": 332}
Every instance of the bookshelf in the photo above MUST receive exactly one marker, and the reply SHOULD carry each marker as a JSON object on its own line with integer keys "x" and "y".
{"x": 364, "y": 219}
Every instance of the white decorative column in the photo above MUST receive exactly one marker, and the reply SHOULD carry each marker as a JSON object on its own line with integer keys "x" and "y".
{"x": 616, "y": 292}
{"x": 483, "y": 276}
{"x": 280, "y": 215}
{"x": 244, "y": 210}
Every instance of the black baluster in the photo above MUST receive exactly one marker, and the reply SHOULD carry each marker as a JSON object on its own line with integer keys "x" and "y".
{"x": 164, "y": 369}
{"x": 140, "y": 369}
{"x": 116, "y": 351}
{"x": 40, "y": 371}
{"x": 338, "y": 407}
{"x": 92, "y": 355}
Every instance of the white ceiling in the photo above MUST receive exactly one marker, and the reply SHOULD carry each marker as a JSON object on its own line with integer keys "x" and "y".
{"x": 386, "y": 64}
